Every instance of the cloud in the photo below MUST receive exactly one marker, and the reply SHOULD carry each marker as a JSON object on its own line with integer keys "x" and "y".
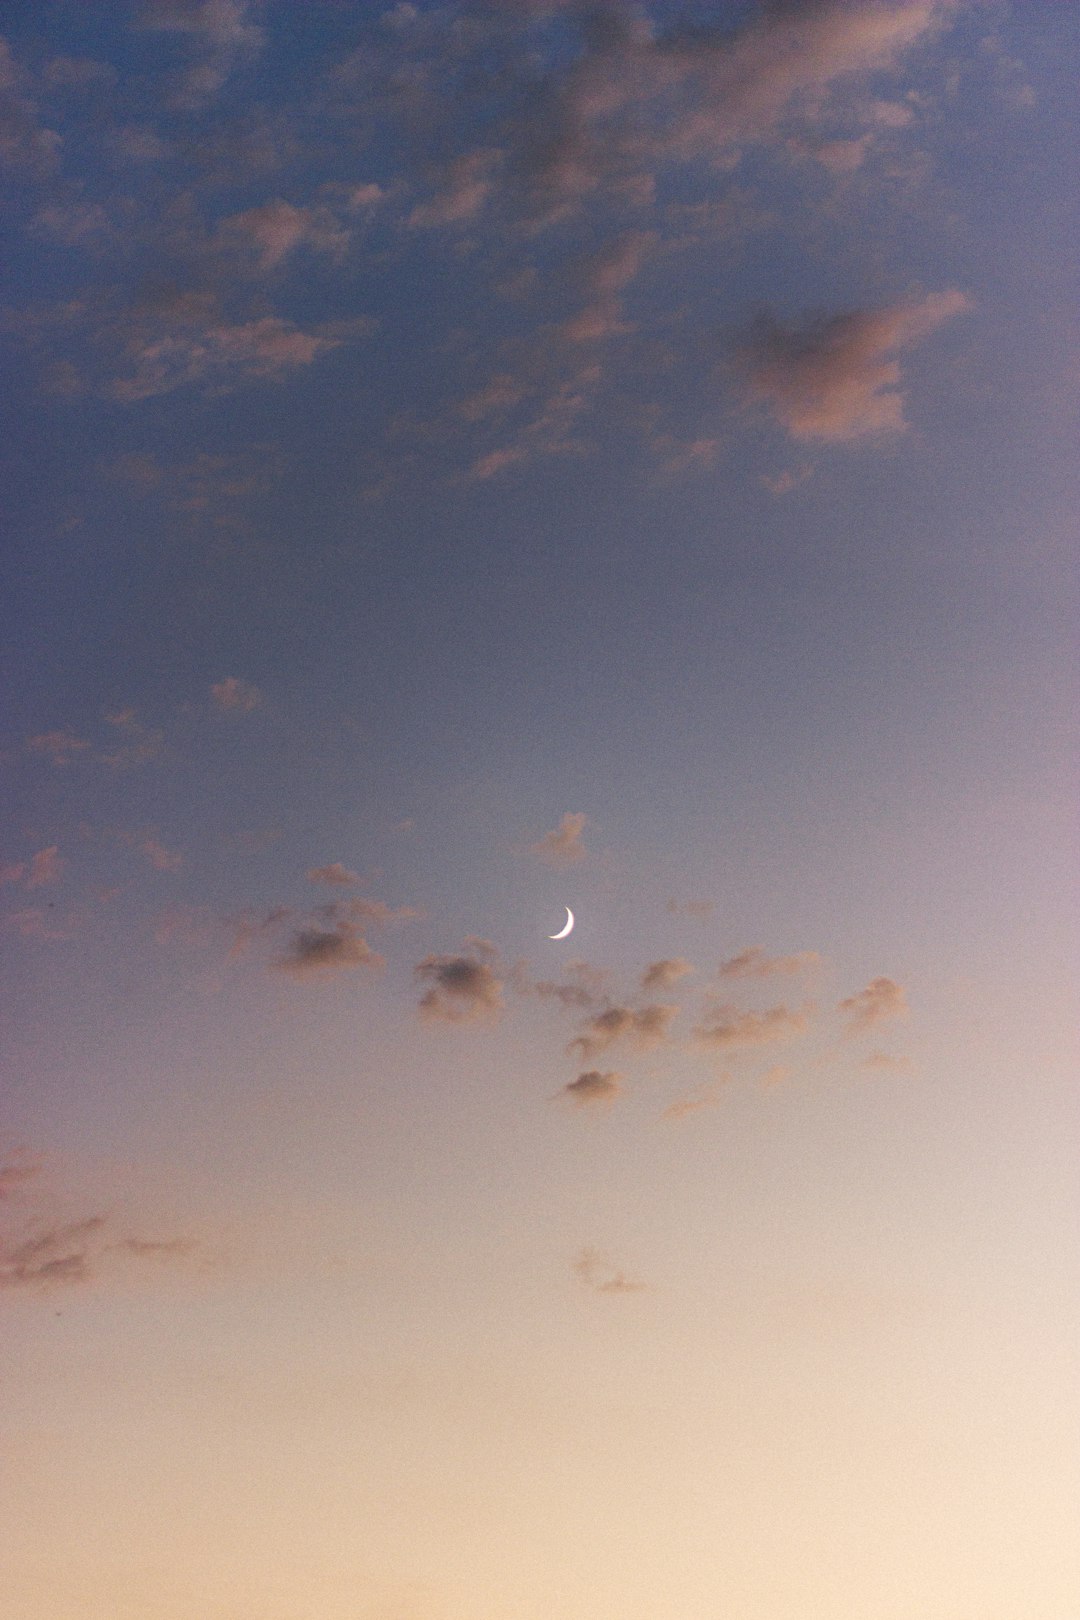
{"x": 61, "y": 1254}
{"x": 645, "y": 1028}
{"x": 12, "y": 871}
{"x": 836, "y": 377}
{"x": 592, "y": 1088}
{"x": 754, "y": 963}
{"x": 219, "y": 33}
{"x": 563, "y": 845}
{"x": 464, "y": 989}
{"x": 175, "y": 341}
{"x": 885, "y": 1061}
{"x": 707, "y": 1097}
{"x": 270, "y": 233}
{"x": 45, "y": 867}
{"x": 583, "y": 986}
{"x": 24, "y": 142}
{"x": 725, "y": 1028}
{"x": 602, "y": 1275}
{"x": 881, "y": 1000}
{"x": 160, "y": 858}
{"x": 71, "y": 1253}
{"x": 139, "y": 742}
{"x": 336, "y": 875}
{"x": 60, "y": 746}
{"x": 235, "y": 696}
{"x": 318, "y": 952}
{"x": 606, "y": 273}
{"x": 16, "y": 1172}
{"x": 663, "y": 974}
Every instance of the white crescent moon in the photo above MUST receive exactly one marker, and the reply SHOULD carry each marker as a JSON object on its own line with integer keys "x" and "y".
{"x": 566, "y": 929}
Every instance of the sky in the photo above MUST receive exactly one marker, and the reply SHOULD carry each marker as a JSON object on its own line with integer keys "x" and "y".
{"x": 466, "y": 462}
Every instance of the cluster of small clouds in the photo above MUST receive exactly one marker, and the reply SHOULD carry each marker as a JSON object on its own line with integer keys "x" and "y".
{"x": 505, "y": 121}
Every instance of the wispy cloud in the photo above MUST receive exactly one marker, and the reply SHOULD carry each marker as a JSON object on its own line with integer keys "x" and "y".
{"x": 603, "y": 1275}
{"x": 726, "y": 1028}
{"x": 235, "y": 696}
{"x": 755, "y": 963}
{"x": 335, "y": 875}
{"x": 45, "y": 867}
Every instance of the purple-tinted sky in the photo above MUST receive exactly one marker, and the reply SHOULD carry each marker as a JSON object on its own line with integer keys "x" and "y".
{"x": 465, "y": 460}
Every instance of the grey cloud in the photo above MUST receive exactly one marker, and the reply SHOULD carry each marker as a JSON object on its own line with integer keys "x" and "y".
{"x": 60, "y": 746}
{"x": 644, "y": 1027}
{"x": 25, "y": 144}
{"x": 316, "y": 952}
{"x": 592, "y": 1088}
{"x": 463, "y": 989}
{"x": 663, "y": 974}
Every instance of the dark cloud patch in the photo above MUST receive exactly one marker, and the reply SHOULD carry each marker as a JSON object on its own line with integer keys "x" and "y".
{"x": 881, "y": 1000}
{"x": 592, "y": 1088}
{"x": 602, "y": 1275}
{"x": 462, "y": 989}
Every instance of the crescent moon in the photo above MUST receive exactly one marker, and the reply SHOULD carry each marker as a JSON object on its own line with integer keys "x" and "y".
{"x": 566, "y": 929}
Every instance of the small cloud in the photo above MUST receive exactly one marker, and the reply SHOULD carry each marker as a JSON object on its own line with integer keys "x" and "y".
{"x": 61, "y": 1254}
{"x": 496, "y": 461}
{"x": 753, "y": 963}
{"x": 706, "y": 1097}
{"x": 884, "y": 1061}
{"x": 219, "y": 35}
{"x": 235, "y": 695}
{"x": 881, "y": 1000}
{"x": 46, "y": 867}
{"x": 60, "y": 746}
{"x": 563, "y": 846}
{"x": 663, "y": 974}
{"x": 602, "y": 1275}
{"x": 160, "y": 858}
{"x": 727, "y": 1028}
{"x": 645, "y": 1028}
{"x": 698, "y": 909}
{"x": 464, "y": 989}
{"x": 18, "y": 1170}
{"x": 35, "y": 923}
{"x": 315, "y": 952}
{"x": 592, "y": 1088}
{"x": 139, "y": 742}
{"x": 787, "y": 480}
{"x": 336, "y": 875}
{"x": 836, "y": 377}
{"x": 12, "y": 872}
